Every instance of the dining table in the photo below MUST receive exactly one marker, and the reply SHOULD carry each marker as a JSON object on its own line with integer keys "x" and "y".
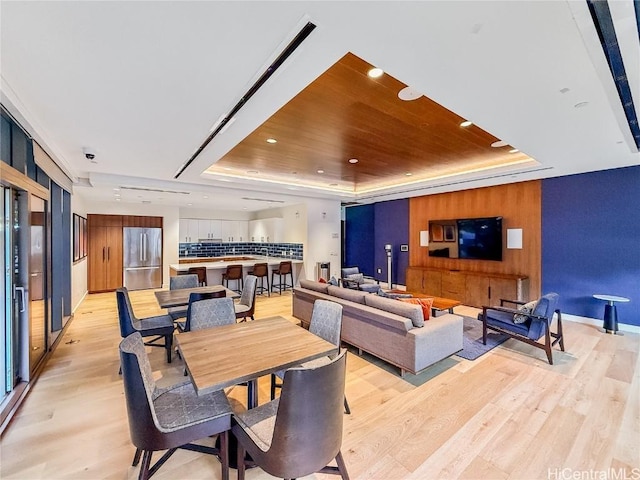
{"x": 180, "y": 296}
{"x": 220, "y": 357}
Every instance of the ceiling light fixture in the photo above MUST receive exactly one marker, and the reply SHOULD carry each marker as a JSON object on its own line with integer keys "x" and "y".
{"x": 320, "y": 170}
{"x": 272, "y": 140}
{"x": 407, "y": 94}
{"x": 466, "y": 123}
{"x": 499, "y": 143}
{"x": 514, "y": 150}
{"x": 353, "y": 160}
{"x": 375, "y": 72}
{"x": 408, "y": 174}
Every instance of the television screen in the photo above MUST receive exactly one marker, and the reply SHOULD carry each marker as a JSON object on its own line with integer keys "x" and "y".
{"x": 480, "y": 238}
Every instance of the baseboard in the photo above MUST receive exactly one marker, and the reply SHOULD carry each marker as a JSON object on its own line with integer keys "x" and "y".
{"x": 598, "y": 323}
{"x": 79, "y": 302}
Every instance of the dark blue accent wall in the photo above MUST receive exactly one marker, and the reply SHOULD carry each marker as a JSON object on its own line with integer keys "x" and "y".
{"x": 359, "y": 238}
{"x": 591, "y": 241}
{"x": 368, "y": 228}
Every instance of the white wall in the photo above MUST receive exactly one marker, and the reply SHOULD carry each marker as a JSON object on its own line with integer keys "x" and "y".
{"x": 323, "y": 236}
{"x": 206, "y": 213}
{"x": 170, "y": 225}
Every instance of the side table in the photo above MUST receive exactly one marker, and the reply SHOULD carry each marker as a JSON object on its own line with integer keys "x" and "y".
{"x": 610, "y": 324}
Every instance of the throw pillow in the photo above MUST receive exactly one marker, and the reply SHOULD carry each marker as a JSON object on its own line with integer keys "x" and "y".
{"x": 356, "y": 277}
{"x": 322, "y": 280}
{"x": 425, "y": 303}
{"x": 526, "y": 308}
{"x": 333, "y": 281}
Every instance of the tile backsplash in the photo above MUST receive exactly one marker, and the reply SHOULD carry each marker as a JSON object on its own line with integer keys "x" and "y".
{"x": 211, "y": 249}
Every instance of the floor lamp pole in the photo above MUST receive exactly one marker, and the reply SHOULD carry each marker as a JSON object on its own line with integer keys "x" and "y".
{"x": 387, "y": 248}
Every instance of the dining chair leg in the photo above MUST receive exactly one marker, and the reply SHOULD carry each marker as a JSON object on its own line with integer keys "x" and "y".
{"x": 224, "y": 454}
{"x": 240, "y": 461}
{"x": 341, "y": 466}
{"x": 136, "y": 457}
{"x": 168, "y": 345}
{"x": 347, "y": 410}
{"x": 144, "y": 468}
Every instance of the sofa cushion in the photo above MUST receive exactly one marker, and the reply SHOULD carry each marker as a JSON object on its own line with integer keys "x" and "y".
{"x": 315, "y": 286}
{"x": 356, "y": 296}
{"x": 412, "y": 312}
{"x": 425, "y": 303}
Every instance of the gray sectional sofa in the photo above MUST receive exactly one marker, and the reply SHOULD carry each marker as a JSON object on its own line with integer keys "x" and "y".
{"x": 391, "y": 330}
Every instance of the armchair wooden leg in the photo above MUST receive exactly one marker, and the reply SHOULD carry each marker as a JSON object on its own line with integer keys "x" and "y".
{"x": 341, "y": 466}
{"x": 560, "y": 333}
{"x": 547, "y": 345}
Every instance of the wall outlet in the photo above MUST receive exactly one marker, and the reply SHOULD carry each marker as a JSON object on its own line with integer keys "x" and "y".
{"x": 379, "y": 270}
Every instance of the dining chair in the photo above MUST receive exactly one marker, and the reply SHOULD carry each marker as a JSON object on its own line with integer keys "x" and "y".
{"x": 213, "y": 312}
{"x": 194, "y": 298}
{"x": 169, "y": 418}
{"x": 261, "y": 271}
{"x": 326, "y": 323}
{"x": 178, "y": 282}
{"x": 282, "y": 271}
{"x": 233, "y": 272}
{"x": 201, "y": 272}
{"x": 301, "y": 432}
{"x": 159, "y": 327}
{"x": 247, "y": 304}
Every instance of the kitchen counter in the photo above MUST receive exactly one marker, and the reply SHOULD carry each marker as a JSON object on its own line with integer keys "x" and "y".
{"x": 215, "y": 268}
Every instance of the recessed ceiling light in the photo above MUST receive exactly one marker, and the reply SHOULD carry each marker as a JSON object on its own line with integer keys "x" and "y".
{"x": 272, "y": 140}
{"x": 408, "y": 174}
{"x": 117, "y": 199}
{"x": 117, "y": 194}
{"x": 116, "y": 189}
{"x": 514, "y": 150}
{"x": 375, "y": 72}
{"x": 466, "y": 123}
{"x": 320, "y": 170}
{"x": 407, "y": 94}
{"x": 353, "y": 160}
{"x": 205, "y": 196}
{"x": 189, "y": 204}
{"x": 499, "y": 143}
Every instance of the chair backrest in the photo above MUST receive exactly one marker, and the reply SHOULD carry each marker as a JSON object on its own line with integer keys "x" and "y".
{"x": 126, "y": 317}
{"x": 234, "y": 272}
{"x": 201, "y": 272}
{"x": 345, "y": 272}
{"x": 196, "y": 297}
{"x": 183, "y": 281}
{"x": 326, "y": 320}
{"x": 139, "y": 391}
{"x": 308, "y": 427}
{"x": 285, "y": 267}
{"x": 213, "y": 312}
{"x": 248, "y": 296}
{"x": 260, "y": 270}
{"x": 547, "y": 304}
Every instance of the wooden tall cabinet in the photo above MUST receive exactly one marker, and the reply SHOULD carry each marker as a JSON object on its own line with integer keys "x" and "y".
{"x": 104, "y": 268}
{"x": 471, "y": 288}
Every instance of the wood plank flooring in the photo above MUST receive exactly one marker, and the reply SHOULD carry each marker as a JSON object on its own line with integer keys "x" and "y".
{"x": 507, "y": 415}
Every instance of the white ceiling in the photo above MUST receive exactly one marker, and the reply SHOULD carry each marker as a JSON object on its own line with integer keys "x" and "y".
{"x": 143, "y": 82}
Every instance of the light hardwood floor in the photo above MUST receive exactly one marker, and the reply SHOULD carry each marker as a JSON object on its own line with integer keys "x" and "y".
{"x": 508, "y": 414}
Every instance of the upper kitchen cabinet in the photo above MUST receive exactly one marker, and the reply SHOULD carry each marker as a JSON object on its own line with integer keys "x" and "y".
{"x": 235, "y": 231}
{"x": 189, "y": 230}
{"x": 267, "y": 230}
{"x": 210, "y": 230}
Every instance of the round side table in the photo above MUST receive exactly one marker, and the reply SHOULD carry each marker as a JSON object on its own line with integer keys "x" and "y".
{"x": 610, "y": 324}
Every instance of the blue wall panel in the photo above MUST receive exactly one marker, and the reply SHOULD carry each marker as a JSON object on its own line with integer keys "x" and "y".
{"x": 359, "y": 238}
{"x": 591, "y": 241}
{"x": 392, "y": 226}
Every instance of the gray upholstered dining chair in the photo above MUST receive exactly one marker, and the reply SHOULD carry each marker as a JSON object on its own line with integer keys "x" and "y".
{"x": 194, "y": 298}
{"x": 326, "y": 322}
{"x": 178, "y": 282}
{"x": 169, "y": 418}
{"x": 213, "y": 312}
{"x": 247, "y": 304}
{"x": 159, "y": 327}
{"x": 301, "y": 432}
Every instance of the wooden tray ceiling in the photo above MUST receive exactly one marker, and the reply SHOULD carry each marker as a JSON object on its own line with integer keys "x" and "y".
{"x": 345, "y": 114}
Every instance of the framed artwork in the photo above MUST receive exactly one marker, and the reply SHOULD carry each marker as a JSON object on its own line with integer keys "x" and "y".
{"x": 449, "y": 233}
{"x": 436, "y": 233}
{"x": 79, "y": 237}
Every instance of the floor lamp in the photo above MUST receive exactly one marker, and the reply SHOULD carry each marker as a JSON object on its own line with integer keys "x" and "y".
{"x": 387, "y": 248}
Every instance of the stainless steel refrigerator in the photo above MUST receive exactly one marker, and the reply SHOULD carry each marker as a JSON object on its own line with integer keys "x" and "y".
{"x": 142, "y": 255}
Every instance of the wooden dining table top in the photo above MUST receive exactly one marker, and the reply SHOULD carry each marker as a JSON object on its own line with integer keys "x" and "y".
{"x": 180, "y": 297}
{"x": 223, "y": 356}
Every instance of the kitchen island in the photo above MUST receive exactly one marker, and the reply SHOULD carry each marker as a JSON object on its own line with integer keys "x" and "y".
{"x": 216, "y": 266}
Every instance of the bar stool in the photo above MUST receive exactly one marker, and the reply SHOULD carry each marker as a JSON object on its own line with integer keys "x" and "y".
{"x": 234, "y": 272}
{"x": 283, "y": 270}
{"x": 202, "y": 275}
{"x": 261, "y": 270}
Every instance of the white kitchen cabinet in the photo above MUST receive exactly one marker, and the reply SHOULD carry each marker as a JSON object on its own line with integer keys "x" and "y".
{"x": 266, "y": 230}
{"x": 235, "y": 230}
{"x": 188, "y": 230}
{"x": 209, "y": 229}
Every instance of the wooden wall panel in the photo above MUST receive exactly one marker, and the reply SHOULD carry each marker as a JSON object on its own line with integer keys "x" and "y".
{"x": 520, "y": 206}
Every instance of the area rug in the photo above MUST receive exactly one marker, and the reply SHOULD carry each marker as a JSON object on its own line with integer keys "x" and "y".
{"x": 472, "y": 346}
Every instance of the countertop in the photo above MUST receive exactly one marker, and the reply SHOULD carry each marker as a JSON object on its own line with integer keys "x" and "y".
{"x": 221, "y": 264}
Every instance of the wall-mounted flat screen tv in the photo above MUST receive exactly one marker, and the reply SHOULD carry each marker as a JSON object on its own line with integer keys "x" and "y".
{"x": 472, "y": 238}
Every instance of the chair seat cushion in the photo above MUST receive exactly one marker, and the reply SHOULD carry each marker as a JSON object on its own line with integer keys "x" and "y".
{"x": 505, "y": 321}
{"x": 181, "y": 406}
{"x": 259, "y": 423}
{"x": 177, "y": 312}
{"x": 160, "y": 325}
{"x": 240, "y": 308}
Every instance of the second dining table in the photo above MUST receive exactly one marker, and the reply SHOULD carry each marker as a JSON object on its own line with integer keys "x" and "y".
{"x": 220, "y": 357}
{"x": 180, "y": 297}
